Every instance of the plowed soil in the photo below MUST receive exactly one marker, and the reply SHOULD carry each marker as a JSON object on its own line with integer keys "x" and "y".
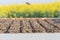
{"x": 29, "y": 25}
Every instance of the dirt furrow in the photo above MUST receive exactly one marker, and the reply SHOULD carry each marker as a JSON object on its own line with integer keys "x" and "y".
{"x": 49, "y": 28}
{"x": 15, "y": 27}
{"x": 37, "y": 27}
{"x": 26, "y": 28}
{"x": 55, "y": 22}
{"x": 4, "y": 25}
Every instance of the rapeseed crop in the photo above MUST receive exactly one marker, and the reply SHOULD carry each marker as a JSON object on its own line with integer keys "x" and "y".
{"x": 50, "y": 10}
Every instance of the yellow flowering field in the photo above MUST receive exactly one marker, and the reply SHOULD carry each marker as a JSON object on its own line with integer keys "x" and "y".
{"x": 50, "y": 10}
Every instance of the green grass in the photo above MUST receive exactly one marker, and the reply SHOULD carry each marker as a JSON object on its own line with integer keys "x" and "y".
{"x": 35, "y": 14}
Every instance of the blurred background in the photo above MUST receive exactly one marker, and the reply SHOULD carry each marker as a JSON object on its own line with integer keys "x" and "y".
{"x": 29, "y": 8}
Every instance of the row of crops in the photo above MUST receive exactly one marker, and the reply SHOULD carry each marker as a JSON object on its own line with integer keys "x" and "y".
{"x": 50, "y": 10}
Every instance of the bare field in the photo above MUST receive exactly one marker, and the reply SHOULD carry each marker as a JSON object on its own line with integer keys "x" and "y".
{"x": 29, "y": 25}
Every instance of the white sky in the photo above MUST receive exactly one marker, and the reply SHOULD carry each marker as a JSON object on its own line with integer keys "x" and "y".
{"x": 7, "y": 2}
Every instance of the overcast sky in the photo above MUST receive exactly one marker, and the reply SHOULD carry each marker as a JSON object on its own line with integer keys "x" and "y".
{"x": 7, "y": 2}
